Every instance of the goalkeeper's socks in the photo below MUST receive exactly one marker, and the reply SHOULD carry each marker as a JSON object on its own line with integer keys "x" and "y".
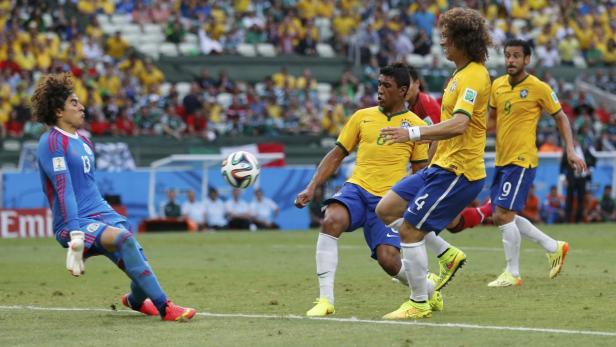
{"x": 137, "y": 296}
{"x": 139, "y": 270}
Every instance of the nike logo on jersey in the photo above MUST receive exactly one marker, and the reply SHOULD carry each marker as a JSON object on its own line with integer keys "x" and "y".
{"x": 366, "y": 121}
{"x": 390, "y": 235}
{"x": 501, "y": 198}
{"x": 410, "y": 211}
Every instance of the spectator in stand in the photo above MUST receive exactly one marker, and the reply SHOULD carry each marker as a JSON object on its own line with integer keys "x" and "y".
{"x": 205, "y": 81}
{"x": 592, "y": 211}
{"x": 33, "y": 128}
{"x": 192, "y": 101}
{"x": 224, "y": 84}
{"x": 236, "y": 114}
{"x": 568, "y": 48}
{"x": 171, "y": 209}
{"x": 424, "y": 19}
{"x": 159, "y": 12}
{"x": 548, "y": 55}
{"x": 607, "y": 205}
{"x": 215, "y": 211}
{"x": 194, "y": 211}
{"x": 550, "y": 145}
{"x": 122, "y": 126}
{"x": 116, "y": 46}
{"x": 174, "y": 31}
{"x": 14, "y": 127}
{"x": 422, "y": 43}
{"x": 238, "y": 212}
{"x": 264, "y": 210}
{"x": 553, "y": 211}
{"x": 99, "y": 125}
{"x": 151, "y": 77}
{"x": 532, "y": 206}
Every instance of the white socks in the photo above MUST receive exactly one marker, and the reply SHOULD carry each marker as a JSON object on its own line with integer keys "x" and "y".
{"x": 327, "y": 262}
{"x": 528, "y": 230}
{"x": 511, "y": 245}
{"x": 401, "y": 276}
{"x": 435, "y": 243}
{"x": 415, "y": 262}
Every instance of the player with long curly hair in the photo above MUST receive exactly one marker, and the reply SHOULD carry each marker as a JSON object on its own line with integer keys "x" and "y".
{"x": 83, "y": 221}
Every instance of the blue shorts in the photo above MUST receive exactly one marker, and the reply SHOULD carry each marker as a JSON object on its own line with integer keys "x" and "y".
{"x": 436, "y": 196}
{"x": 510, "y": 186}
{"x": 93, "y": 227}
{"x": 361, "y": 205}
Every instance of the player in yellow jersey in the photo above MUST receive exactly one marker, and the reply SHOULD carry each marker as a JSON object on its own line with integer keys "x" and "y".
{"x": 516, "y": 102}
{"x": 456, "y": 174}
{"x": 377, "y": 167}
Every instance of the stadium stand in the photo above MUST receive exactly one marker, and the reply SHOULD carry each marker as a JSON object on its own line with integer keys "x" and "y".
{"x": 113, "y": 49}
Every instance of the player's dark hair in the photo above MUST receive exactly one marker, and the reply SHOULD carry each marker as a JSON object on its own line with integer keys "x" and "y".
{"x": 415, "y": 77}
{"x": 518, "y": 43}
{"x": 468, "y": 31}
{"x": 399, "y": 72}
{"x": 50, "y": 95}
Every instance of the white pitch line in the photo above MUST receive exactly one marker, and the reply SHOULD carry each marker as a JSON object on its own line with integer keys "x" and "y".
{"x": 343, "y": 320}
{"x": 470, "y": 248}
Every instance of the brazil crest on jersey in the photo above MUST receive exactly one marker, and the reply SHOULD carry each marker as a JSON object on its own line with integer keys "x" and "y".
{"x": 380, "y": 164}
{"x": 467, "y": 92}
{"x": 518, "y": 109}
{"x": 66, "y": 165}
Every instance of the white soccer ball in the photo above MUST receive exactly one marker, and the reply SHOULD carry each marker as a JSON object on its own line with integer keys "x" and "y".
{"x": 240, "y": 169}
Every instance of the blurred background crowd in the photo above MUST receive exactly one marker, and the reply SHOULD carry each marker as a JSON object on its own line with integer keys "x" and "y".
{"x": 107, "y": 46}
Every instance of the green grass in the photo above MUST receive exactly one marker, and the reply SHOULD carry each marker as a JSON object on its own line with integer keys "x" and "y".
{"x": 272, "y": 273}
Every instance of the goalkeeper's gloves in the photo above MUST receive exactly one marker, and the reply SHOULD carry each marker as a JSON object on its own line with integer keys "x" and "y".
{"x": 74, "y": 256}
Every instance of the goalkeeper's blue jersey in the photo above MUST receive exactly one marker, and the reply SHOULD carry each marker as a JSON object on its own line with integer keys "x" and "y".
{"x": 66, "y": 165}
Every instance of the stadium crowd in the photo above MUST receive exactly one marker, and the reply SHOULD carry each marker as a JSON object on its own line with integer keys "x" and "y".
{"x": 122, "y": 89}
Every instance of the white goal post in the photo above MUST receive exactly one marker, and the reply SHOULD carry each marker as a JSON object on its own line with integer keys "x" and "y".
{"x": 183, "y": 162}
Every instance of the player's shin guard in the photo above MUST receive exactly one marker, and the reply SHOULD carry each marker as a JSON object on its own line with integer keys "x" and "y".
{"x": 139, "y": 270}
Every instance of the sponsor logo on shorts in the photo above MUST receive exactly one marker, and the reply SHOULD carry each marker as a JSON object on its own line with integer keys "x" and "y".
{"x": 92, "y": 227}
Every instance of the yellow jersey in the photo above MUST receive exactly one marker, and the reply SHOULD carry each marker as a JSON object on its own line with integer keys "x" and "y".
{"x": 380, "y": 164}
{"x": 518, "y": 108}
{"x": 467, "y": 92}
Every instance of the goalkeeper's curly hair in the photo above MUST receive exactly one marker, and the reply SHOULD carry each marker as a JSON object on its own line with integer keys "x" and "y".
{"x": 468, "y": 31}
{"x": 50, "y": 95}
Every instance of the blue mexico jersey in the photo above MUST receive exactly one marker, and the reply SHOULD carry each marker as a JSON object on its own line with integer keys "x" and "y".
{"x": 66, "y": 165}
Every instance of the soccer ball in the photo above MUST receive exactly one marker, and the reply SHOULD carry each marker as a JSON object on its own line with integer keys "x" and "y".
{"x": 240, "y": 169}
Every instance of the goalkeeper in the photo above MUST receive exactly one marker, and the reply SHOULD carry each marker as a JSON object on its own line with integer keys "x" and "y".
{"x": 83, "y": 221}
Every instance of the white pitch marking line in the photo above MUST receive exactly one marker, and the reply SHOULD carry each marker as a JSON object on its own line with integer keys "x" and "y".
{"x": 344, "y": 320}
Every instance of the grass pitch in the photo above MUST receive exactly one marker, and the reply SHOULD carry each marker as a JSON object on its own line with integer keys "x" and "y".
{"x": 254, "y": 289}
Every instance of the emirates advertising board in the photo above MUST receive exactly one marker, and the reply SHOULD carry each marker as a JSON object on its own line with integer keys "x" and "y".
{"x": 21, "y": 223}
